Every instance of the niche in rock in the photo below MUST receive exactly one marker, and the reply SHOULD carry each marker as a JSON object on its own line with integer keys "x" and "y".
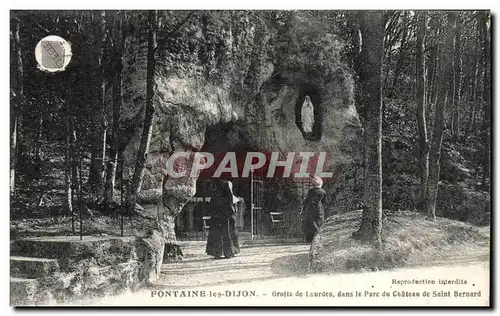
{"x": 309, "y": 114}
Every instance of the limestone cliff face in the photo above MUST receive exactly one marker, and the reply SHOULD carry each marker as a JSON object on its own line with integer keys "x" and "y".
{"x": 236, "y": 69}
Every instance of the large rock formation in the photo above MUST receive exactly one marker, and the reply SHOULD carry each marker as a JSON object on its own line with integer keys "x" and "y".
{"x": 61, "y": 269}
{"x": 241, "y": 71}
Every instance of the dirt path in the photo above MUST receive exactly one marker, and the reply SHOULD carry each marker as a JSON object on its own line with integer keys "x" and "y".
{"x": 274, "y": 275}
{"x": 252, "y": 264}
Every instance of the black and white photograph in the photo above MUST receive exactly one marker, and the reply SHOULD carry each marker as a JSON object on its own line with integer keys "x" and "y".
{"x": 335, "y": 158}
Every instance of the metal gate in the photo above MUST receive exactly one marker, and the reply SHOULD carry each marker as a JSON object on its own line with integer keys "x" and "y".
{"x": 270, "y": 219}
{"x": 256, "y": 205}
{"x": 274, "y": 207}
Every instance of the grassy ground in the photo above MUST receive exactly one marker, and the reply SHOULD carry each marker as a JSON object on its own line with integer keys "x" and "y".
{"x": 409, "y": 240}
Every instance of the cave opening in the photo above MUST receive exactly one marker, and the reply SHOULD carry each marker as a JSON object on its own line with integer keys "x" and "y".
{"x": 271, "y": 195}
{"x": 309, "y": 113}
{"x": 219, "y": 139}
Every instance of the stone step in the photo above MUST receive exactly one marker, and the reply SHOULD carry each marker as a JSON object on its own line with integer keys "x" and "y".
{"x": 69, "y": 249}
{"x": 22, "y": 291}
{"x": 33, "y": 268}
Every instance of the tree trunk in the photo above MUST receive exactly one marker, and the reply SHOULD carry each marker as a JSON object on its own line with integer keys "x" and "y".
{"x": 74, "y": 158}
{"x": 484, "y": 18}
{"x": 432, "y": 86}
{"x": 401, "y": 58}
{"x": 98, "y": 146}
{"x": 437, "y": 76}
{"x": 354, "y": 30}
{"x": 16, "y": 107}
{"x": 13, "y": 154}
{"x": 457, "y": 71}
{"x": 435, "y": 26}
{"x": 67, "y": 176}
{"x": 474, "y": 89}
{"x": 431, "y": 71}
{"x": 372, "y": 32}
{"x": 117, "y": 104}
{"x": 113, "y": 152}
{"x": 473, "y": 81}
{"x": 444, "y": 94}
{"x": 38, "y": 138}
{"x": 135, "y": 186}
{"x": 97, "y": 152}
{"x": 421, "y": 100}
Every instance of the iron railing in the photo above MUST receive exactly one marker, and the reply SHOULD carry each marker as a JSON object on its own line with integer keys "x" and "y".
{"x": 261, "y": 199}
{"x": 81, "y": 192}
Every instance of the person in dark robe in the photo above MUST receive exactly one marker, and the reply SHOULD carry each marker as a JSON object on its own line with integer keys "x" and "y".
{"x": 222, "y": 240}
{"x": 313, "y": 211}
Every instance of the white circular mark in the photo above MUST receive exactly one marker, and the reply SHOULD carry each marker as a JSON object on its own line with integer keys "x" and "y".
{"x": 53, "y": 54}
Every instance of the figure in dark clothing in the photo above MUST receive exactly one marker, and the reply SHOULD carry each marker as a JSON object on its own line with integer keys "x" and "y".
{"x": 222, "y": 239}
{"x": 313, "y": 211}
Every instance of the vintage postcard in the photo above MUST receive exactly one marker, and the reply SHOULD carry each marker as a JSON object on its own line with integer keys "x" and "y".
{"x": 250, "y": 158}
